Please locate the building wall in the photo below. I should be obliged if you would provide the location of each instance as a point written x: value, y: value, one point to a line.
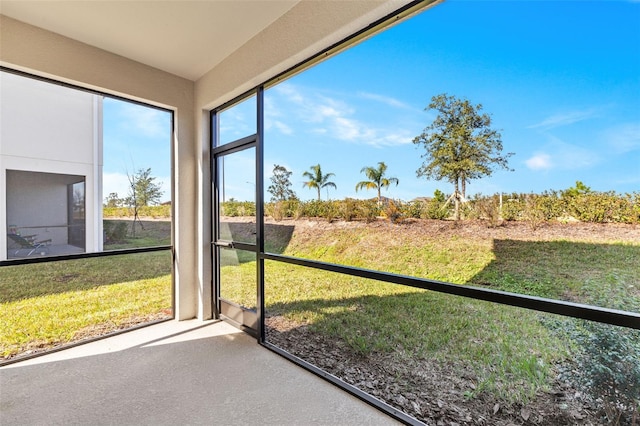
x: 45, y: 121
x: 306, y: 29
x: 47, y: 128
x: 31, y: 49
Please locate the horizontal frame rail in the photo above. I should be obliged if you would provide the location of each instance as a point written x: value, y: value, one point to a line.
x: 560, y: 307
x: 43, y: 259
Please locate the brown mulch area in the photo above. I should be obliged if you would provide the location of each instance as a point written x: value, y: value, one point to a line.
x: 435, y: 392
x: 431, y: 392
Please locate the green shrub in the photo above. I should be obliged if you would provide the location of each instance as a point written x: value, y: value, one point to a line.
x: 369, y: 210
x: 413, y: 209
x: 331, y: 210
x: 117, y: 212
x: 487, y: 208
x: 512, y: 208
x: 314, y: 208
x: 466, y: 210
x: 550, y: 205
x: 161, y: 211
x: 532, y: 214
x: 393, y: 213
x: 600, y: 207
x: 233, y: 208
x: 114, y: 231
x: 607, y: 367
x: 277, y: 210
x: 532, y: 208
x: 347, y: 209
x: 436, y: 209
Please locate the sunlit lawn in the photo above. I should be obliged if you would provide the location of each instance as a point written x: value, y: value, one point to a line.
x: 511, y: 350
x: 49, y: 304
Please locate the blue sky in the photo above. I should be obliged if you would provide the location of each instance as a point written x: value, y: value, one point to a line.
x: 561, y: 81
x: 135, y: 137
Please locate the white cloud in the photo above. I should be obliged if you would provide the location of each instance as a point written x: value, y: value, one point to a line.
x: 623, y: 138
x: 564, y: 119
x: 337, y: 119
x: 561, y: 155
x: 571, y: 157
x: 539, y: 161
x: 147, y: 121
x: 279, y: 125
x: 387, y: 100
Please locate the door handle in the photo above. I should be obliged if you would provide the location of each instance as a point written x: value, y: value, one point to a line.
x: 226, y: 244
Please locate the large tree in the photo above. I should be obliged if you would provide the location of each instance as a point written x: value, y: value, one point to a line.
x: 280, y: 187
x: 460, y: 145
x: 318, y: 180
x: 377, y: 180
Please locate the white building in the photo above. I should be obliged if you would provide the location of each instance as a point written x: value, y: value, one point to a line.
x: 50, y: 167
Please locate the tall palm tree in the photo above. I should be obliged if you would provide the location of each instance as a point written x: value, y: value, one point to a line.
x: 317, y: 179
x: 376, y: 179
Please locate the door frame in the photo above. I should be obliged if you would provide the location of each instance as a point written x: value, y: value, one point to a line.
x: 255, y: 140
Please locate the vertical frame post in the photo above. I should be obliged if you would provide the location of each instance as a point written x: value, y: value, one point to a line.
x: 260, y: 211
x: 215, y: 210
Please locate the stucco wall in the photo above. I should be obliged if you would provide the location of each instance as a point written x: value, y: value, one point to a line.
x: 305, y: 29
x: 27, y: 48
x: 45, y: 121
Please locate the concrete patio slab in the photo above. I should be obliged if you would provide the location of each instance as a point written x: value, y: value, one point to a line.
x: 177, y: 372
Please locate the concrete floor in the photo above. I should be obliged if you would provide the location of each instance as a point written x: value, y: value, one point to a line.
x: 174, y: 373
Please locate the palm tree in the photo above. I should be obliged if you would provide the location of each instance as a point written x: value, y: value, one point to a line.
x: 376, y: 179
x: 317, y: 179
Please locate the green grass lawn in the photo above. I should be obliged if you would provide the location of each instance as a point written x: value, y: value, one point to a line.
x: 49, y: 304
x: 511, y: 351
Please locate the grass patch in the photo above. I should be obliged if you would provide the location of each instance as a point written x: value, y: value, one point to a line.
x: 54, y: 303
x: 512, y: 352
x: 151, y: 233
x: 509, y: 350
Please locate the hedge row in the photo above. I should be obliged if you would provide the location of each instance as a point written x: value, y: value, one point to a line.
x: 163, y: 211
x: 597, y: 207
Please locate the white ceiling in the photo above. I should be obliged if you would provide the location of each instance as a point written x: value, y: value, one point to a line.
x: 183, y: 37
